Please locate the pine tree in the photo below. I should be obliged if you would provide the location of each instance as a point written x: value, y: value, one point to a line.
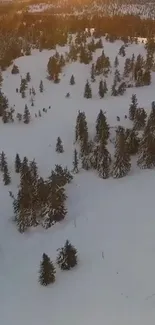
x: 67, y: 257
x: 75, y: 162
x: 41, y: 87
x: 139, y: 118
x: 116, y: 62
x: 59, y: 146
x: 93, y: 73
x: 28, y: 77
x: 87, y: 91
x: 26, y: 115
x: 122, y: 51
x: 105, y: 87
x: 101, y: 89
x: 132, y: 141
x: 133, y: 107
x: 121, y: 165
x: 102, y: 126
x: 146, y: 153
x: 72, y: 80
x: 15, y: 69
x: 114, y: 90
x: 17, y: 163
x: 6, y: 175
x: 117, y: 77
x: 2, y: 161
x: 47, y: 271
x: 104, y: 160
x: 1, y: 79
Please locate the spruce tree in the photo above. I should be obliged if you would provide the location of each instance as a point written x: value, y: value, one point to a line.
x: 2, y: 161
x: 41, y: 87
x: 75, y: 162
x: 6, y: 175
x: 114, y: 90
x: 116, y: 62
x: 104, y: 160
x: 15, y: 69
x: 93, y: 73
x: 1, y: 78
x: 26, y: 115
x: 132, y: 141
x: 67, y: 257
x: 28, y: 77
x: 47, y: 271
x: 139, y: 119
x: 87, y: 91
x: 146, y: 153
x: 105, y: 87
x: 121, y: 165
x: 59, y: 146
x: 101, y: 126
x: 133, y: 107
x: 101, y: 89
x: 72, y: 80
x: 17, y: 163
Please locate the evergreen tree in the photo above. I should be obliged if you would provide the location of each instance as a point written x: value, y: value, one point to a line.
x: 122, y: 51
x: 104, y: 160
x: 47, y: 271
x: 81, y: 129
x: 101, y: 89
x: 2, y: 161
x: 41, y: 87
x: 15, y: 69
x: 67, y: 257
x: 121, y: 89
x: 28, y: 77
x: 121, y: 165
x: 117, y: 77
x: 146, y: 154
x: 59, y: 146
x: 132, y: 141
x: 93, y: 73
x: 116, y: 62
x: 75, y: 162
x: 17, y: 163
x: 3, y: 103
x: 1, y: 78
x: 105, y: 87
x: 133, y: 107
x: 26, y: 115
x: 102, y: 127
x: 72, y: 80
x: 6, y: 175
x: 87, y: 91
x: 139, y: 119
x: 114, y: 90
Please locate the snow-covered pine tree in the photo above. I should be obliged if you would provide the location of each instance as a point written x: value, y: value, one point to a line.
x: 59, y: 146
x: 133, y: 107
x: 26, y: 115
x: 101, y: 89
x: 2, y: 161
x: 67, y: 257
x: 146, y: 153
x: 139, y: 118
x: 75, y: 162
x: 47, y: 271
x: 122, y: 164
x: 101, y: 126
x: 41, y: 86
x: 87, y: 91
x: 6, y: 175
x: 72, y: 80
x: 17, y: 163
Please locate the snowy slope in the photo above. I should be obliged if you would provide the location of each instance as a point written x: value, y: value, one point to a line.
x: 110, y: 218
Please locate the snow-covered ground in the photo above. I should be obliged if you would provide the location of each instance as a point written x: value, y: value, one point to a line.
x: 111, y: 222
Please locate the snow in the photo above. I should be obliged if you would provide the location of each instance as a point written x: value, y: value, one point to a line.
x: 111, y: 222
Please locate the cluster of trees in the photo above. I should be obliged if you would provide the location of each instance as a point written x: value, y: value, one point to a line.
x: 66, y: 260
x: 39, y: 201
x: 95, y: 155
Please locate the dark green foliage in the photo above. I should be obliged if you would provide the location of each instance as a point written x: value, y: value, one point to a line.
x: 15, y: 69
x: 121, y: 165
x: 1, y: 79
x: 41, y: 87
x: 104, y: 160
x: 132, y: 141
x: 28, y: 77
x: 105, y: 87
x: 2, y: 161
x: 133, y: 107
x: 23, y: 85
x: 67, y: 257
x: 59, y: 146
x: 93, y: 73
x: 26, y: 115
x: 114, y: 90
x: 146, y: 154
x: 116, y: 62
x: 3, y: 103
x: 117, y: 77
x: 6, y: 175
x: 47, y: 271
x: 122, y: 51
x: 75, y: 162
x: 87, y: 91
x: 139, y: 119
x: 121, y: 89
x: 102, y: 127
x: 101, y: 89
x: 72, y: 80
x: 17, y: 163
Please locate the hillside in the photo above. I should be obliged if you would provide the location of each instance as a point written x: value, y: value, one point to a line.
x: 110, y: 221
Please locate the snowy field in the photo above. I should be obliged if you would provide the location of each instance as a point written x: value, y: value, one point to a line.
x: 111, y: 222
